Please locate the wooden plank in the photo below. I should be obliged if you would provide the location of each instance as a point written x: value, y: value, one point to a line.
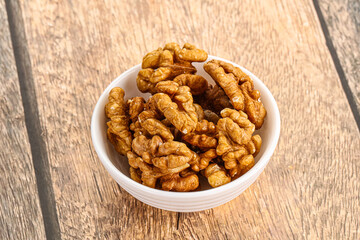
x: 343, y: 23
x: 309, y: 189
x: 20, y: 213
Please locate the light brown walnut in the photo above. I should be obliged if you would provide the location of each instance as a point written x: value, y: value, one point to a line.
x: 240, y: 118
x: 168, y: 87
x: 204, y: 126
x: 216, y: 175
x: 118, y: 134
x: 138, y: 129
x: 148, y: 78
x: 166, y: 64
x: 164, y: 155
x: 202, y: 160
x: 184, y: 118
x: 151, y: 59
x: 116, y: 105
x: 225, y: 75
x: 185, y: 101
x: 180, y: 182
x: 239, y: 87
x: 136, y: 106
x: 236, y: 144
x: 253, y: 106
x: 200, y: 140
x: 149, y: 174
x: 118, y: 127
x: 191, y: 53
x: 172, y: 154
x: 203, y: 136
x: 257, y: 141
x: 146, y: 148
x: 148, y: 121
x: 180, y: 95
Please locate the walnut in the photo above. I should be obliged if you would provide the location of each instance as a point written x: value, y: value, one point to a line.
x: 245, y: 164
x: 167, y: 63
x: 136, y: 106
x: 202, y: 160
x: 235, y: 143
x: 204, y: 126
x: 184, y: 118
x: 230, y: 135
x: 239, y: 88
x: 200, y: 140
x: 192, y: 54
x: 196, y: 83
x: 151, y: 59
x: 182, y: 97
x: 216, y: 175
x: 118, y: 127
x: 116, y: 105
x: 168, y: 87
x: 148, y: 121
x: 240, y: 118
x: 179, y: 94
x: 237, y: 161
x: 138, y: 129
x: 173, y: 48
x: 118, y: 134
x: 146, y: 148
x: 203, y: 136
x: 181, y: 68
x: 189, y: 53
x: 164, y: 155
x: 255, y: 148
x: 253, y: 106
x: 224, y: 74
x: 149, y: 174
x: 185, y: 101
x: 180, y: 182
x: 148, y: 78
x: 172, y: 154
x: 157, y: 58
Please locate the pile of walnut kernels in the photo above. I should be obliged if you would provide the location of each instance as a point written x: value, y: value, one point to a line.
x: 187, y: 127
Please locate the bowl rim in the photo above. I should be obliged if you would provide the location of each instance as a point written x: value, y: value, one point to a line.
x: 262, y: 162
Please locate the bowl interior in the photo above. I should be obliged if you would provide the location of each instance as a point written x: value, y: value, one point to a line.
x: 127, y: 81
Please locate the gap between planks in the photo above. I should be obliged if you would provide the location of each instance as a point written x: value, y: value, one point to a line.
x: 338, y: 67
x: 32, y: 122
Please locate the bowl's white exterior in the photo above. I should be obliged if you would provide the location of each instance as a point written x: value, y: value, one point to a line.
x: 177, y: 201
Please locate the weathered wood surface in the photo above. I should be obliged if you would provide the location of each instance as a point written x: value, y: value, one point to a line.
x: 20, y: 213
x: 309, y: 189
x: 342, y: 18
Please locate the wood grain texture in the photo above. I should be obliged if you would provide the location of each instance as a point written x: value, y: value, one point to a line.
x: 20, y: 213
x: 310, y: 188
x: 343, y: 21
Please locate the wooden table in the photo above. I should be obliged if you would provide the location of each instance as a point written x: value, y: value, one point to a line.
x: 56, y: 58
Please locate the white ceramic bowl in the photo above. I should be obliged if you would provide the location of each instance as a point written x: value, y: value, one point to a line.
x: 118, y: 166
